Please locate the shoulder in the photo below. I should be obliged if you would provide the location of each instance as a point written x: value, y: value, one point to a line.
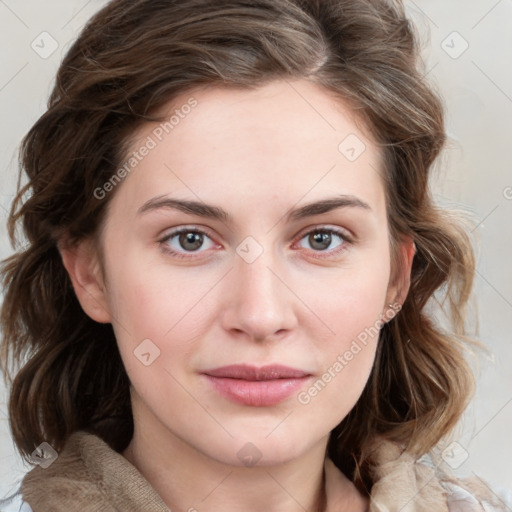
x: 468, y: 495
x: 68, y: 476
x: 88, y: 475
x: 403, y: 482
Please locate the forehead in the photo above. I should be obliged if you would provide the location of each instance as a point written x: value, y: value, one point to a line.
x: 288, y: 139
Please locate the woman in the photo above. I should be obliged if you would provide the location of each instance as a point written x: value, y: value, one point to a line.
x: 285, y: 360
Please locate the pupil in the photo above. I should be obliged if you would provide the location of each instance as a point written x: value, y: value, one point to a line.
x: 195, y: 239
x: 322, y: 238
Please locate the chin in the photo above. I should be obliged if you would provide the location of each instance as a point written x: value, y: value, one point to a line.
x: 259, y: 450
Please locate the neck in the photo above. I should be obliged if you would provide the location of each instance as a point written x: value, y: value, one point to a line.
x: 189, y: 480
x: 201, y: 483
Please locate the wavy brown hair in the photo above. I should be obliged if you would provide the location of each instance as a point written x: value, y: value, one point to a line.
x: 133, y: 57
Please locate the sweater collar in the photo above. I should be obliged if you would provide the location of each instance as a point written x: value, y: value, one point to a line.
x: 89, y: 475
x: 89, y: 471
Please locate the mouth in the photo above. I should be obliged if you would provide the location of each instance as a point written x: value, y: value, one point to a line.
x: 257, y: 387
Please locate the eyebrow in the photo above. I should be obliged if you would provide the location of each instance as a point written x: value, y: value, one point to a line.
x: 217, y: 213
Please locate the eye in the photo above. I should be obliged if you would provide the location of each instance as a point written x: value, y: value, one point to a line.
x: 185, y: 240
x: 320, y: 239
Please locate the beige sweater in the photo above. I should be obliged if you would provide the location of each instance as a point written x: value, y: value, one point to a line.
x: 88, y: 476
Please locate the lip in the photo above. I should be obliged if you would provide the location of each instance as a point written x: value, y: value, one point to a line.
x: 258, y: 387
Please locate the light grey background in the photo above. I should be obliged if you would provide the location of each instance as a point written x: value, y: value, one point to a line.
x: 475, y: 175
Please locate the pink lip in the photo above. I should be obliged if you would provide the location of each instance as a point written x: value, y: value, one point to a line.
x: 254, y: 386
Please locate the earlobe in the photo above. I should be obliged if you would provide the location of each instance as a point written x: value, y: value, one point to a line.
x: 82, y: 265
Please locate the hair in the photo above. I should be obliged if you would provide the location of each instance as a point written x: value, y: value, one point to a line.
x: 133, y: 57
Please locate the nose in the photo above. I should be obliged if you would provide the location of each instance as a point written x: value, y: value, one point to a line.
x: 258, y: 303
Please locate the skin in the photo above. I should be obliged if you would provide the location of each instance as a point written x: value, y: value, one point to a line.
x: 257, y: 154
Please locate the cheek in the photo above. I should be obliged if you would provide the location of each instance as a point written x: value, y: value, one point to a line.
x: 150, y: 301
x: 347, y: 358
x: 351, y: 314
x: 349, y: 301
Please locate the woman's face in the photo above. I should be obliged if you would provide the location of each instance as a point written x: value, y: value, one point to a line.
x: 259, y: 275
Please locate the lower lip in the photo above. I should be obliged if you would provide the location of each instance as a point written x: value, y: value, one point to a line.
x: 258, y: 393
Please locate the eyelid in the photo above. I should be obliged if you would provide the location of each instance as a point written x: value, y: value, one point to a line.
x: 345, y: 234
x: 186, y: 227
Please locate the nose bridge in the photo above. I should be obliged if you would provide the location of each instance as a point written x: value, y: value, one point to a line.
x: 260, y: 304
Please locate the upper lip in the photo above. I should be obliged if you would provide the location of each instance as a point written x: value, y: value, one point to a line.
x: 248, y: 372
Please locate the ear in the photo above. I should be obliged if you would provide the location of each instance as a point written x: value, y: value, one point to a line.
x: 401, y: 277
x: 82, y: 264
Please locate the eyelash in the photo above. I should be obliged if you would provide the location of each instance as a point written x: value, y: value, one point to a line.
x: 347, y: 240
